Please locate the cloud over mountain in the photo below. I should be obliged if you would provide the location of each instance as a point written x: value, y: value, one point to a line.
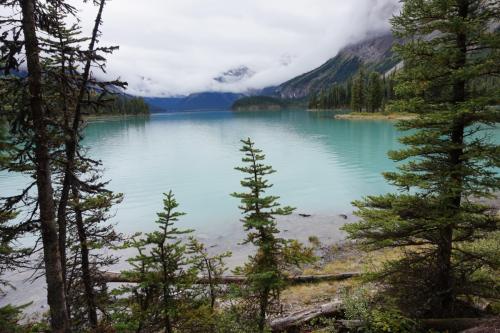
x: 172, y: 47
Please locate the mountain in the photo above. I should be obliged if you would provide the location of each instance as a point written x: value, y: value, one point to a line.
x: 235, y: 74
x: 205, y: 101
x: 373, y: 53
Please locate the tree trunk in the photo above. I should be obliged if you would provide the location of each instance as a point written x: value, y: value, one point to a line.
x: 210, y: 284
x: 53, y: 271
x: 72, y: 141
x: 264, y: 301
x: 303, y: 316
x: 165, y: 285
x: 445, y: 278
x: 86, y: 271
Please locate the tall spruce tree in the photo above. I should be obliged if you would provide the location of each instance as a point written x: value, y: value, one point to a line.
x: 45, y: 118
x: 38, y: 115
x: 83, y: 202
x: 358, y: 92
x: 267, y: 268
x: 374, y: 92
x: 450, y: 161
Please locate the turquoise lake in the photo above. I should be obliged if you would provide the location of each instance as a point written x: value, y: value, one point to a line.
x: 322, y: 163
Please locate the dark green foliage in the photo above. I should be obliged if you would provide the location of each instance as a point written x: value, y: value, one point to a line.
x: 12, y: 320
x: 11, y: 256
x: 361, y: 304
x: 121, y: 105
x: 164, y: 267
x: 339, y: 96
x: 368, y: 92
x: 89, y: 236
x: 211, y: 267
x: 450, y: 161
x: 374, y: 93
x: 72, y: 203
x: 10, y: 317
x: 390, y: 320
x: 259, y: 103
x: 83, y: 201
x: 358, y: 93
x: 265, y: 270
x: 4, y: 144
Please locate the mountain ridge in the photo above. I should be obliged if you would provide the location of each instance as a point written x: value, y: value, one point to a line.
x: 373, y: 53
x: 203, y: 101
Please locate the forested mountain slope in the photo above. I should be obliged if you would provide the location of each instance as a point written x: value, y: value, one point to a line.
x: 374, y: 54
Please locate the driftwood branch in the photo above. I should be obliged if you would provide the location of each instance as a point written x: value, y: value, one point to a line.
x: 335, y: 308
x: 109, y: 277
x: 301, y: 317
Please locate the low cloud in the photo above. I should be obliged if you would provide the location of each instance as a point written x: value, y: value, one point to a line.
x: 174, y: 47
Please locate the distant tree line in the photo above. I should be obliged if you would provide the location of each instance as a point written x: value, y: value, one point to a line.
x: 366, y: 91
x: 120, y: 104
x: 259, y: 103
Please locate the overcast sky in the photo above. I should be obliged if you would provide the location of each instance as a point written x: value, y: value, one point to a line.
x: 173, y: 47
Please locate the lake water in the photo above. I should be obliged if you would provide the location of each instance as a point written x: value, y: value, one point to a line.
x: 322, y: 163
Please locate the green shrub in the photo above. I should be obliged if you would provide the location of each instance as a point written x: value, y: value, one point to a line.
x: 357, y: 304
x: 390, y: 321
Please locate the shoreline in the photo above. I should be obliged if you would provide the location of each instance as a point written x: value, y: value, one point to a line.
x: 326, y: 227
x: 376, y: 116
x: 347, y: 114
x: 99, y: 117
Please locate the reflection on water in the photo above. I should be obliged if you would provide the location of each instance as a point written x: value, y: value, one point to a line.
x: 323, y: 164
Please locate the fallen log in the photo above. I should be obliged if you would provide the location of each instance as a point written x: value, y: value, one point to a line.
x: 301, y: 317
x: 110, y: 277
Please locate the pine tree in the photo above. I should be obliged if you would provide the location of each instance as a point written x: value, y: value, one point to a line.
x: 450, y: 160
x: 10, y: 256
x: 82, y: 198
x: 212, y: 267
x: 45, y: 132
x: 374, y: 92
x: 52, y: 255
x: 163, y: 265
x: 267, y: 268
x: 312, y: 101
x: 358, y: 92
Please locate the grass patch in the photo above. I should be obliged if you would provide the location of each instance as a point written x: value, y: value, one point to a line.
x: 339, y: 259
